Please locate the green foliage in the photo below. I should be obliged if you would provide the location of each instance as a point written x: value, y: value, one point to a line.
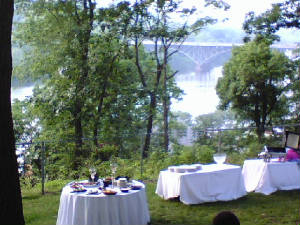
x: 211, y: 130
x: 25, y: 128
x: 215, y: 120
x: 186, y: 156
x: 204, y: 154
x: 88, y: 84
x: 127, y: 167
x: 253, y: 150
x: 104, y: 152
x: 29, y: 181
x: 237, y: 158
x: 255, y: 84
x: 282, y: 15
x: 153, y: 21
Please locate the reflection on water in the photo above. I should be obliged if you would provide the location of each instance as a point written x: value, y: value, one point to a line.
x: 200, y: 94
x: 21, y: 93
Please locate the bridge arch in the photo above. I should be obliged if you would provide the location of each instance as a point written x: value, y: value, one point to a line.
x: 201, y: 53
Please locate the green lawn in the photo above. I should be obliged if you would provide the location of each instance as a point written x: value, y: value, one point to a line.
x: 281, y: 207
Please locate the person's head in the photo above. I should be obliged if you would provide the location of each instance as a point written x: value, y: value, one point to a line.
x: 226, y: 218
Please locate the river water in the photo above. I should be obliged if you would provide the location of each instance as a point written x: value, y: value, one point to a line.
x: 199, y: 94
x: 21, y: 93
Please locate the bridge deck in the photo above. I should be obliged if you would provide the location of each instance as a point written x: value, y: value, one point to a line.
x: 221, y: 44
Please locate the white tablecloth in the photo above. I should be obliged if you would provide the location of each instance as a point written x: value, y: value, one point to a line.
x: 267, y: 178
x: 121, y: 209
x: 211, y: 183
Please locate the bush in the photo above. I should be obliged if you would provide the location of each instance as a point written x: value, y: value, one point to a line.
x: 203, y: 153
x: 29, y: 182
x: 235, y: 158
x: 253, y: 150
x: 149, y: 168
x: 104, y: 152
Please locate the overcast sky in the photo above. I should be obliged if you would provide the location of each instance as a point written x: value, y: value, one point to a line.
x: 236, y: 14
x: 238, y: 10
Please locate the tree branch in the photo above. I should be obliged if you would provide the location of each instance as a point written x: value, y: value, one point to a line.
x: 78, y: 20
x: 172, y: 75
x: 137, y: 62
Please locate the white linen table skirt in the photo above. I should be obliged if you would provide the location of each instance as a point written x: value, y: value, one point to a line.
x: 212, y: 183
x: 121, y: 209
x: 268, y: 177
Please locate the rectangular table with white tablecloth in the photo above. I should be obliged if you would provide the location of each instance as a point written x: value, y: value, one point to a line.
x: 268, y: 177
x: 214, y: 182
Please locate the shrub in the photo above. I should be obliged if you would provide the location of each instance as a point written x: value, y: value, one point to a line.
x: 203, y: 153
x: 253, y: 150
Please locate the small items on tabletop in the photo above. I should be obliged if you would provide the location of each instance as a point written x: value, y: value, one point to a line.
x: 76, y: 187
x: 109, y: 192
x: 125, y: 190
x: 93, y: 177
x: 107, y: 181
x: 93, y: 191
x: 107, y: 186
x: 185, y: 168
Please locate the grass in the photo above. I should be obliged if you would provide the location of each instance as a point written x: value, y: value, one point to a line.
x: 42, y: 209
x: 282, y: 207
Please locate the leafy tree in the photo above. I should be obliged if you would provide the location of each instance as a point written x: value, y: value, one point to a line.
x: 294, y: 103
x: 63, y: 52
x: 282, y: 15
x: 88, y: 77
x: 11, y: 210
x: 86, y: 70
x: 179, y: 123
x: 255, y: 84
x: 152, y: 21
x: 208, y: 128
x: 118, y: 102
x: 25, y: 128
x: 110, y: 100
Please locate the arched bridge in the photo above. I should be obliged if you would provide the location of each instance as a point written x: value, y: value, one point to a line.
x: 201, y: 53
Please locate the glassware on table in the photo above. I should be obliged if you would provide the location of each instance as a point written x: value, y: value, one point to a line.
x: 113, y: 167
x: 93, y: 173
x: 219, y: 158
x: 106, y: 182
x: 101, y: 184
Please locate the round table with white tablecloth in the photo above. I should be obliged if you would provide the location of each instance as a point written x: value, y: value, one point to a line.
x: 83, y: 208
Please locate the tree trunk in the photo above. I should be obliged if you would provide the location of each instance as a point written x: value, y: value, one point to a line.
x: 166, y: 123
x: 78, y: 134
x: 83, y: 39
x: 11, y: 209
x: 260, y: 131
x: 101, y: 100
x: 152, y: 108
x: 166, y: 103
x: 99, y: 112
